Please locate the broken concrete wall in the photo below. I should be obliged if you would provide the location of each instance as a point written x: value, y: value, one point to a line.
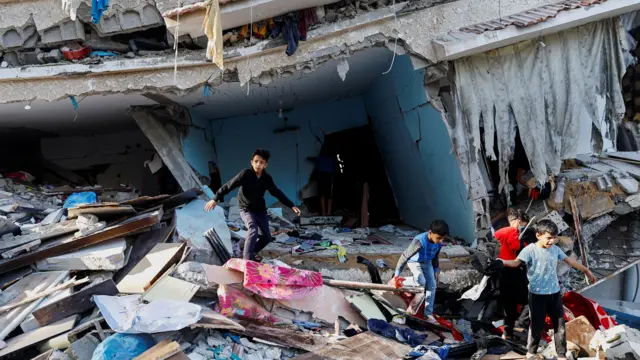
x: 416, y: 30
x: 257, y: 131
x: 417, y: 151
x: 126, y: 153
x: 122, y: 16
x: 52, y: 22
x: 24, y: 24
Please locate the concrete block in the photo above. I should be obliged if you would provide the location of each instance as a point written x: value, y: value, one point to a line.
x: 109, y: 256
x: 19, y: 37
x: 83, y: 349
x: 124, y: 16
x: 68, y: 30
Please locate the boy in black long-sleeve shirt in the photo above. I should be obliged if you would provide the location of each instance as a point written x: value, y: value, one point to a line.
x: 253, y: 183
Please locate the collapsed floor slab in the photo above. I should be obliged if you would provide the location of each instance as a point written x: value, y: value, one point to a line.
x: 415, y: 28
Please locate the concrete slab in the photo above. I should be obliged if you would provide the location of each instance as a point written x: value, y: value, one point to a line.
x: 109, y: 256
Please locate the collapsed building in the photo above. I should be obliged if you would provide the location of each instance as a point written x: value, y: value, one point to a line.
x: 165, y: 97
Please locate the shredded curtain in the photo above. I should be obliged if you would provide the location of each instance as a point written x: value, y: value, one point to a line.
x: 548, y: 88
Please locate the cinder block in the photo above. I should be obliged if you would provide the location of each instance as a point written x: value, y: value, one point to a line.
x: 19, y: 37
x: 68, y: 30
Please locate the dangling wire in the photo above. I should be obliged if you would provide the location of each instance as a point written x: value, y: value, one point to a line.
x: 395, y: 45
x: 250, y: 38
x: 175, y: 46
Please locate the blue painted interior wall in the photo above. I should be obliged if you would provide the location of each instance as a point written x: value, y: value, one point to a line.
x: 417, y: 151
x: 197, y: 145
x: 236, y: 138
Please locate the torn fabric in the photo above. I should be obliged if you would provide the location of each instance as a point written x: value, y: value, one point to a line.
x: 213, y: 29
x: 276, y: 282
x: 549, y: 88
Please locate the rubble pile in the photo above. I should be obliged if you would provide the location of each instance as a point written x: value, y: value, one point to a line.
x: 88, y: 272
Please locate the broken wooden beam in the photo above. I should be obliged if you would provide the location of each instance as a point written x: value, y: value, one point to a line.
x: 371, y: 286
x: 101, y: 210
x: 76, y: 303
x: 151, y: 268
x: 45, y: 293
x: 33, y: 337
x: 282, y: 336
x: 62, y: 246
x: 578, y: 230
x: 161, y: 351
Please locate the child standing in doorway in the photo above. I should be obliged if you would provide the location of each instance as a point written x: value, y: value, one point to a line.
x: 545, y: 297
x: 253, y: 183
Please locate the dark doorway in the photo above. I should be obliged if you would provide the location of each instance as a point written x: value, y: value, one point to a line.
x: 358, y: 162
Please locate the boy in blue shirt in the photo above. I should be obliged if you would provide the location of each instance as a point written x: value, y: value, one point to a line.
x: 422, y: 256
x: 545, y: 298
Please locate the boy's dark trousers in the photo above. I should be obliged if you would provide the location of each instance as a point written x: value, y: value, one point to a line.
x: 255, y: 222
x: 513, y: 292
x: 541, y: 306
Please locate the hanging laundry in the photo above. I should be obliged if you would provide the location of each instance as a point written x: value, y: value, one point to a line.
x: 98, y: 7
x: 261, y: 29
x: 308, y: 18
x: 213, y: 29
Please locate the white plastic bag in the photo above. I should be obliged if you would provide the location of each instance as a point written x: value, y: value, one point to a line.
x: 127, y: 315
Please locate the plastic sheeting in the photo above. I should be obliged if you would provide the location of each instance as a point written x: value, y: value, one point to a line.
x: 550, y: 88
x: 128, y: 315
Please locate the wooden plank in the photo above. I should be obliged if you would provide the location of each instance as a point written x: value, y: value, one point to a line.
x: 44, y: 356
x: 21, y: 290
x: 150, y: 268
x: 10, y: 254
x: 25, y: 340
x: 11, y: 277
x: 162, y: 351
x: 170, y: 288
x: 141, y: 246
x: 286, y: 337
x: 76, y: 303
x: 68, y: 244
x: 364, y: 346
x: 42, y: 294
x: 101, y: 210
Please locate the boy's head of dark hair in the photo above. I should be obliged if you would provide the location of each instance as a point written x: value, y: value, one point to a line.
x: 546, y: 233
x: 438, y: 231
x: 546, y: 226
x: 517, y: 214
x: 264, y: 154
x: 439, y: 227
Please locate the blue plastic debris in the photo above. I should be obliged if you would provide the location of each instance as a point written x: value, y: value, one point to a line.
x: 98, y: 7
x: 73, y: 101
x: 102, y: 53
x: 441, y: 351
x: 80, y: 198
x: 123, y: 347
x: 235, y: 338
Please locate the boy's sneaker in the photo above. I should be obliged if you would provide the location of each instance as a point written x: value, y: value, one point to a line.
x: 432, y: 320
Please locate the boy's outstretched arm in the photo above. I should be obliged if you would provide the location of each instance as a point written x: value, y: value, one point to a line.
x: 224, y: 190
x: 511, y: 263
x: 576, y: 265
x: 278, y: 194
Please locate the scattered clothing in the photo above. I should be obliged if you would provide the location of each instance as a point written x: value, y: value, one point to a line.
x: 293, y: 27
x: 541, y: 306
x: 98, y: 7
x: 234, y: 302
x: 371, y: 268
x: 252, y: 189
x: 308, y: 18
x: 276, y: 282
x: 577, y: 305
x: 541, y: 268
x: 420, y: 350
x: 390, y: 331
x: 213, y: 31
